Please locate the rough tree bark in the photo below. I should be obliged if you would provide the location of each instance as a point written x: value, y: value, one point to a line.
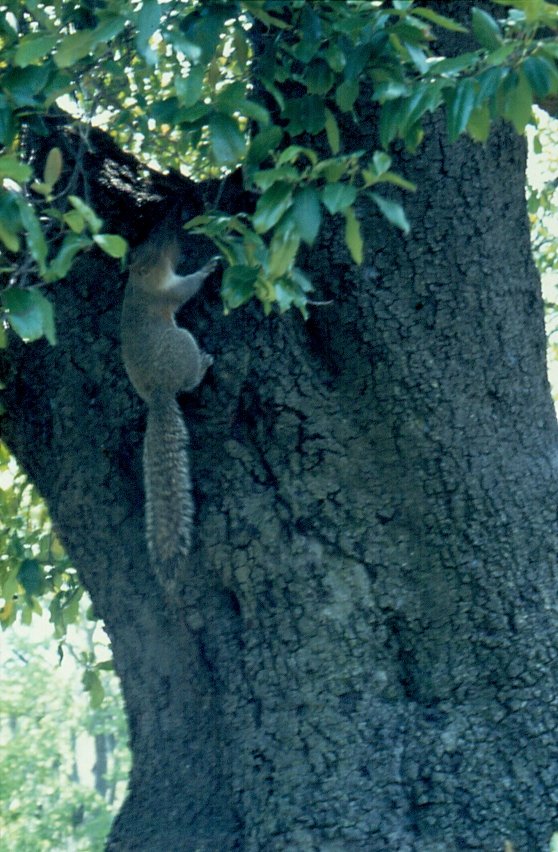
x: 364, y: 653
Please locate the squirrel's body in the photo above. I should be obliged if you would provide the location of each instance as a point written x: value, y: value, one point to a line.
x: 163, y: 360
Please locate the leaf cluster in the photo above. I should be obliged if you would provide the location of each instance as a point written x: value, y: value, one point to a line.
x: 270, y: 86
x: 33, y: 564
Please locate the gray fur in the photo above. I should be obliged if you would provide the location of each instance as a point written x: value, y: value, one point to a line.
x: 162, y: 360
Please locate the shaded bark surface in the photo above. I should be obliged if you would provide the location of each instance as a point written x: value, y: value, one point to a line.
x: 363, y: 656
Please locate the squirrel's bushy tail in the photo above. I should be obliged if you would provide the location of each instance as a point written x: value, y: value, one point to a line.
x: 169, y: 507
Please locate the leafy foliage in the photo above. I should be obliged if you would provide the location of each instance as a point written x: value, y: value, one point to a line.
x: 194, y: 86
x: 33, y: 564
x: 44, y: 711
x: 49, y: 797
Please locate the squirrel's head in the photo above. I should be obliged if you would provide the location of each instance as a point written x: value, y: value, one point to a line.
x: 153, y: 261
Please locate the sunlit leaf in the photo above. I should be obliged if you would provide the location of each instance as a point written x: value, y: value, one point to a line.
x: 12, y: 167
x: 353, y: 237
x: 30, y: 315
x: 53, y: 166
x: 271, y: 206
x: 338, y: 196
x: 393, y: 211
x: 111, y: 244
x: 149, y: 18
x: 332, y: 132
x: 478, y: 126
x: 32, y: 47
x: 88, y: 215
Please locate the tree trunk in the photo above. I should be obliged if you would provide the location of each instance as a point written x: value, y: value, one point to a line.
x: 363, y: 655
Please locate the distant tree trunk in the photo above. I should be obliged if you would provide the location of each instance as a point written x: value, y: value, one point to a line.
x: 364, y: 653
x: 101, y: 764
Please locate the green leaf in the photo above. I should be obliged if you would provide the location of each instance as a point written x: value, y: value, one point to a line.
x: 332, y: 132
x: 318, y: 77
x: 29, y: 314
x: 353, y: 236
x: 518, y: 104
x: 267, y: 177
x: 254, y: 7
x: 461, y: 104
x: 541, y: 75
x: 440, y: 20
x: 165, y: 110
x: 72, y: 244
x: 92, y: 684
x: 12, y: 167
x: 189, y: 89
x: 9, y: 237
x: 35, y: 238
x: 24, y: 84
x: 338, y: 196
x: 264, y: 144
x: 486, y: 30
x: 31, y: 577
x: 418, y: 58
x: 381, y: 162
x: 307, y: 213
x: 346, y: 95
x: 498, y: 57
x: 294, y: 152
x: 228, y: 143
x: 149, y: 19
x: 74, y: 47
x: 489, y: 82
x: 238, y: 285
x: 74, y: 221
x: 453, y: 66
x: 53, y: 166
x: 396, y: 180
x: 7, y: 122
x: 109, y: 28
x: 282, y: 253
x: 89, y: 216
x: 271, y: 206
x: 393, y: 211
x: 390, y: 90
x: 306, y: 115
x: 32, y: 47
x: 111, y: 244
x: 478, y: 127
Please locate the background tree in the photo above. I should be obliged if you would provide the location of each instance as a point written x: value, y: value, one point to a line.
x: 362, y: 655
x: 48, y: 729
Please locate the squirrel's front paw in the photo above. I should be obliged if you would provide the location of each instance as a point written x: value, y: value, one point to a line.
x: 211, y: 265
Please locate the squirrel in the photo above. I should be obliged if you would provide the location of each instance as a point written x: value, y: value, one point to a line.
x: 162, y: 360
